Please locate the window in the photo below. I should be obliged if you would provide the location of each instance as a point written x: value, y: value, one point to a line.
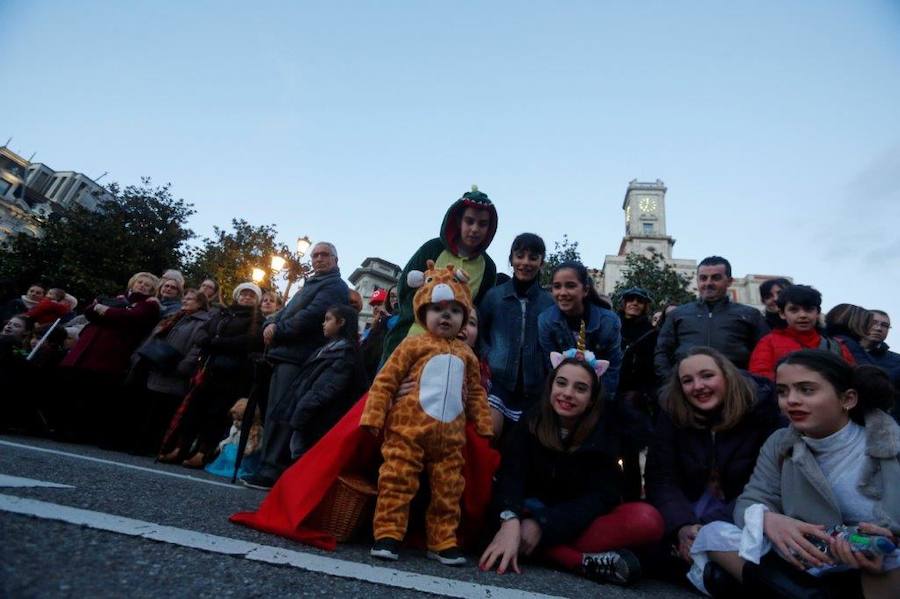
x: 648, y: 228
x: 4, y: 186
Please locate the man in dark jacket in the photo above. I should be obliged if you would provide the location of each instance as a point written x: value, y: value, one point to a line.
x: 713, y: 320
x: 881, y: 355
x: 291, y: 336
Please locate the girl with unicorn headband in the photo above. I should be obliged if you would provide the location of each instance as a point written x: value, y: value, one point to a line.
x: 558, y: 494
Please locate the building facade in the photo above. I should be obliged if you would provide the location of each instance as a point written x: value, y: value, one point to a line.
x: 372, y: 274
x: 644, y: 208
x: 31, y: 193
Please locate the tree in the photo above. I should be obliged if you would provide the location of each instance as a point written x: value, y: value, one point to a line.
x: 563, y: 251
x: 229, y: 257
x: 95, y: 252
x: 653, y: 273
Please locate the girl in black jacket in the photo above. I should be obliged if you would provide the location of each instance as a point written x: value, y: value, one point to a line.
x: 331, y: 381
x: 558, y: 490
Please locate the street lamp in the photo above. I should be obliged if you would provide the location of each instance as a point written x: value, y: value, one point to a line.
x: 303, y: 244
x: 278, y: 263
x: 259, y: 275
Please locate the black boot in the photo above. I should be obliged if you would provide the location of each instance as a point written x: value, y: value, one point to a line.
x: 775, y: 578
x: 720, y: 584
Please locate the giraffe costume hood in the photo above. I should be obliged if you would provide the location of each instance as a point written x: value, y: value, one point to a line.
x: 425, y: 429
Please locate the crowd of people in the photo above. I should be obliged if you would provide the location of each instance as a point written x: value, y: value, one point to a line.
x: 708, y: 442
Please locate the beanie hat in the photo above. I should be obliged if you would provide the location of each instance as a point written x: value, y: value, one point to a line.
x: 251, y: 286
x: 378, y: 297
x: 638, y: 292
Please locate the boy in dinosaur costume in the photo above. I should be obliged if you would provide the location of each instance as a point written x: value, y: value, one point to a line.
x: 425, y: 429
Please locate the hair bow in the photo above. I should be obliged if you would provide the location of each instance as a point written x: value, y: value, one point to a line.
x: 598, y: 366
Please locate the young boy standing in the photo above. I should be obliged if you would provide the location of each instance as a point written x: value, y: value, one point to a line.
x: 466, y: 232
x: 425, y: 429
x: 800, y: 307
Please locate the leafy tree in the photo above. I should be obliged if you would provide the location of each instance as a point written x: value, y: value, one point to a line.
x: 94, y: 252
x: 653, y: 273
x: 229, y: 257
x: 563, y: 251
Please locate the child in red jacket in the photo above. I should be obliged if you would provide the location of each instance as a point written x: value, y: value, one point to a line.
x: 56, y: 304
x: 800, y: 306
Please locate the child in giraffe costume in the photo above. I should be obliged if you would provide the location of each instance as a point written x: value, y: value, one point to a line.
x: 425, y: 429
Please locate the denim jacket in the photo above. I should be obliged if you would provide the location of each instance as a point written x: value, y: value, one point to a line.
x: 503, y: 333
x: 603, y: 337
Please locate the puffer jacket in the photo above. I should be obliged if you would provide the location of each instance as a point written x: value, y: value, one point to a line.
x: 185, y: 336
x: 298, y: 327
x: 782, y: 342
x: 731, y: 328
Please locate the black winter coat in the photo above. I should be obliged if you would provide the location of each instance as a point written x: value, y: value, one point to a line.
x: 234, y: 333
x: 638, y: 345
x: 733, y: 329
x: 331, y: 381
x: 575, y: 487
x: 681, y: 461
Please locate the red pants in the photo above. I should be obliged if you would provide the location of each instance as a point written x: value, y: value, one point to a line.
x: 629, y: 525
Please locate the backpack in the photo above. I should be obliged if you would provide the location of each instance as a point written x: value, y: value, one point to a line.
x: 832, y: 345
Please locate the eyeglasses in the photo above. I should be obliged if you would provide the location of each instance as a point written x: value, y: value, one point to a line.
x: 881, y: 325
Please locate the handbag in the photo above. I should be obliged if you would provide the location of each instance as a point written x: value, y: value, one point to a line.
x: 161, y: 354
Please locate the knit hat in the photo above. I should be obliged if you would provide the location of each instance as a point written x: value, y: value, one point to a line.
x: 252, y: 287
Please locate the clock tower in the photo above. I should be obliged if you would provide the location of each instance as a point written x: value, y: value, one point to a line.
x: 645, y: 219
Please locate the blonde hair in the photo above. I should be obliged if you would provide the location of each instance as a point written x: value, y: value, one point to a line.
x: 179, y: 283
x: 254, y: 440
x: 739, y: 396
x: 154, y: 281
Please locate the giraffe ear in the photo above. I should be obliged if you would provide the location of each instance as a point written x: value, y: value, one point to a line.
x: 429, y: 264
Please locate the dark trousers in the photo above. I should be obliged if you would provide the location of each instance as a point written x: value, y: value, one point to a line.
x: 276, y: 445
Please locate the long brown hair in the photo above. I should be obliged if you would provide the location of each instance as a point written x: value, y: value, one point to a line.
x: 738, y: 400
x: 545, y: 423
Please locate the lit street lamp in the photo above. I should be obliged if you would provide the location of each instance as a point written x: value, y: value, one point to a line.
x: 259, y: 275
x: 278, y: 263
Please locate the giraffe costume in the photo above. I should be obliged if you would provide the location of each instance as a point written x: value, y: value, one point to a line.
x: 426, y: 427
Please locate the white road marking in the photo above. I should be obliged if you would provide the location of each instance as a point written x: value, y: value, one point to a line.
x: 17, y: 482
x: 121, y: 464
x: 258, y: 552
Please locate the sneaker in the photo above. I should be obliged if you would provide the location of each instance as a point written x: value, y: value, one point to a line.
x: 386, y: 549
x: 256, y: 481
x: 449, y: 557
x: 618, y: 567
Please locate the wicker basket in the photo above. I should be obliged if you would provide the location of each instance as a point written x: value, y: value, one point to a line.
x: 343, y: 508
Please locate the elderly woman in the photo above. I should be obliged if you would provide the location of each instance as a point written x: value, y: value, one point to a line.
x: 171, y: 357
x: 99, y: 360
x: 233, y: 334
x: 169, y: 296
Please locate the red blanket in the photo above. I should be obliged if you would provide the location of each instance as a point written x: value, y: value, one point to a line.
x: 346, y: 449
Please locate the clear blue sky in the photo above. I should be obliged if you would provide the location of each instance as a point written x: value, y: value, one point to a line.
x: 775, y: 125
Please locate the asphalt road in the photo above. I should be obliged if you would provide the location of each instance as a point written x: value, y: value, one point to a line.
x: 121, y: 525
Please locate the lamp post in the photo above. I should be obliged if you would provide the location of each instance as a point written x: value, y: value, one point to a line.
x: 296, y: 269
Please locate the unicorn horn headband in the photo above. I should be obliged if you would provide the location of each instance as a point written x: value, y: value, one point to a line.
x: 598, y: 366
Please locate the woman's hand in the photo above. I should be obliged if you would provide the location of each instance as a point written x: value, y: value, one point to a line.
x: 686, y: 536
x: 504, y: 547
x: 841, y: 550
x: 789, y: 536
x: 530, y: 532
x: 100, y: 309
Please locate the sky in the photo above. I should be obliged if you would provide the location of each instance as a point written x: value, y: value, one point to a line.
x: 774, y: 125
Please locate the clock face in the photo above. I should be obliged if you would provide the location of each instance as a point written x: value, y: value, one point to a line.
x: 648, y: 204
x: 627, y: 214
